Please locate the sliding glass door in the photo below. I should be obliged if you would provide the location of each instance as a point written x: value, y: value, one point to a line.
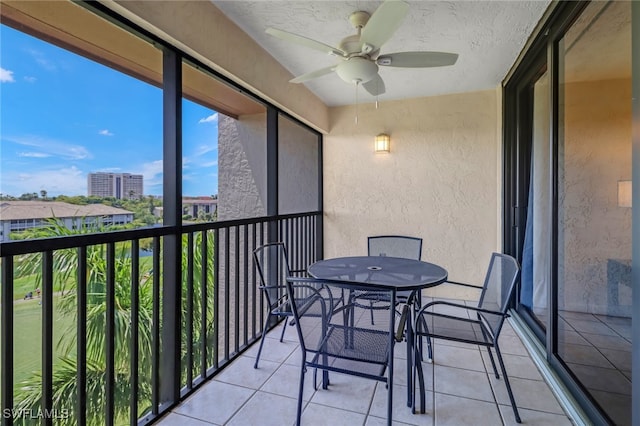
x: 568, y: 198
x: 593, y: 216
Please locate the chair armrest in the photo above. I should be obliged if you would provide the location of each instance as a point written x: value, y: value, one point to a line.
x: 464, y: 284
x: 488, y: 311
x: 305, y: 282
x: 300, y: 280
x: 270, y: 287
x: 314, y: 297
x: 458, y: 305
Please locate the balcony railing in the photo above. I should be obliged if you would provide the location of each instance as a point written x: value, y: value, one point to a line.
x: 130, y: 351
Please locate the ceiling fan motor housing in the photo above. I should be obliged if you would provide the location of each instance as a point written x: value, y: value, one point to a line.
x: 357, y: 70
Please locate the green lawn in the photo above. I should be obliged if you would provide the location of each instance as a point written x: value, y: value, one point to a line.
x: 27, y: 352
x: 27, y: 328
x: 25, y: 284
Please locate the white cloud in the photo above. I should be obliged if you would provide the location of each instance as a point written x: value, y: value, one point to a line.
x: 54, y: 148
x: 29, y: 79
x: 41, y: 60
x: 34, y: 154
x: 55, y: 181
x: 105, y: 132
x: 152, y: 173
x: 213, y: 118
x: 203, y: 149
x: 6, y: 76
x: 210, y: 164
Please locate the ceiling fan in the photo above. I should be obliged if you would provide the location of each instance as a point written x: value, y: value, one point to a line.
x: 360, y: 53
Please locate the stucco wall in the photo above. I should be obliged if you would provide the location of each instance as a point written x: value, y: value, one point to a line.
x: 596, y: 155
x: 242, y: 167
x: 439, y: 182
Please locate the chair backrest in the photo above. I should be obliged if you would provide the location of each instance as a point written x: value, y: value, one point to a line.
x: 316, y: 307
x: 498, y: 287
x: 312, y: 308
x: 273, y: 270
x: 395, y: 246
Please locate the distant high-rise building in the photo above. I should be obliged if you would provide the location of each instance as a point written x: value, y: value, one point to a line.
x: 118, y: 185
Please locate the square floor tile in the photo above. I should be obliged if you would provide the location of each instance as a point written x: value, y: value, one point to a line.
x: 401, y: 412
x: 532, y: 417
x: 530, y: 394
x: 242, y: 373
x: 346, y: 392
x: 286, y: 382
x: 321, y: 415
x: 516, y: 365
x: 205, y: 403
x: 266, y: 409
x: 453, y: 410
x: 467, y: 357
x: 272, y: 350
x: 464, y: 383
x: 173, y: 419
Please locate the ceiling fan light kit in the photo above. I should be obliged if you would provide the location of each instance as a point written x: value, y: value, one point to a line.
x: 359, y: 53
x: 357, y: 70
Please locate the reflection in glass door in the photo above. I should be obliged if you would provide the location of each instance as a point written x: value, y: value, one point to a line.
x: 594, y: 221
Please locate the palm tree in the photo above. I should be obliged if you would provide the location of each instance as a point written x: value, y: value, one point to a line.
x: 197, y: 309
x: 65, y: 386
x: 64, y: 381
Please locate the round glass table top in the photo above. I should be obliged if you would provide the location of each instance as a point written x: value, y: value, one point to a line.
x: 381, y: 271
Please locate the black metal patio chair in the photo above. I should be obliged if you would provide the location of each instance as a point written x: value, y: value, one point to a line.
x: 392, y: 246
x: 479, y: 325
x: 273, y: 270
x: 336, y: 337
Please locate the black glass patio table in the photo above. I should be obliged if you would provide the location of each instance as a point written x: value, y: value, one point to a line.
x: 382, y: 272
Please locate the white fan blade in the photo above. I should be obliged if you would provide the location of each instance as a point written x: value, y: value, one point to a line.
x: 313, y: 74
x: 417, y: 59
x: 383, y: 24
x: 374, y: 86
x: 304, y: 41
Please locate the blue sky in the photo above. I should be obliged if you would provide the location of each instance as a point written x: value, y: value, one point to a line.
x: 63, y: 116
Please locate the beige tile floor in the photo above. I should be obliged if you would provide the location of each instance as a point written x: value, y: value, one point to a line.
x: 460, y: 391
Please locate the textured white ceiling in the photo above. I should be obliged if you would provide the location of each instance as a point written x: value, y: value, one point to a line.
x: 488, y: 36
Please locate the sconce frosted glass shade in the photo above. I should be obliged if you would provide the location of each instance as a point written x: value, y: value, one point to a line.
x: 624, y: 193
x: 382, y: 143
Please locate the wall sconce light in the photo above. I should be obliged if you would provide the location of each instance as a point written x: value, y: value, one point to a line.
x: 382, y: 143
x: 624, y: 193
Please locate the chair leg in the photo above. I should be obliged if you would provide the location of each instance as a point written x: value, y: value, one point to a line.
x: 429, y: 345
x: 493, y: 363
x: 264, y: 334
x: 417, y: 304
x: 284, y: 327
x: 506, y: 382
x: 303, y: 370
x: 417, y: 374
x: 371, y: 311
